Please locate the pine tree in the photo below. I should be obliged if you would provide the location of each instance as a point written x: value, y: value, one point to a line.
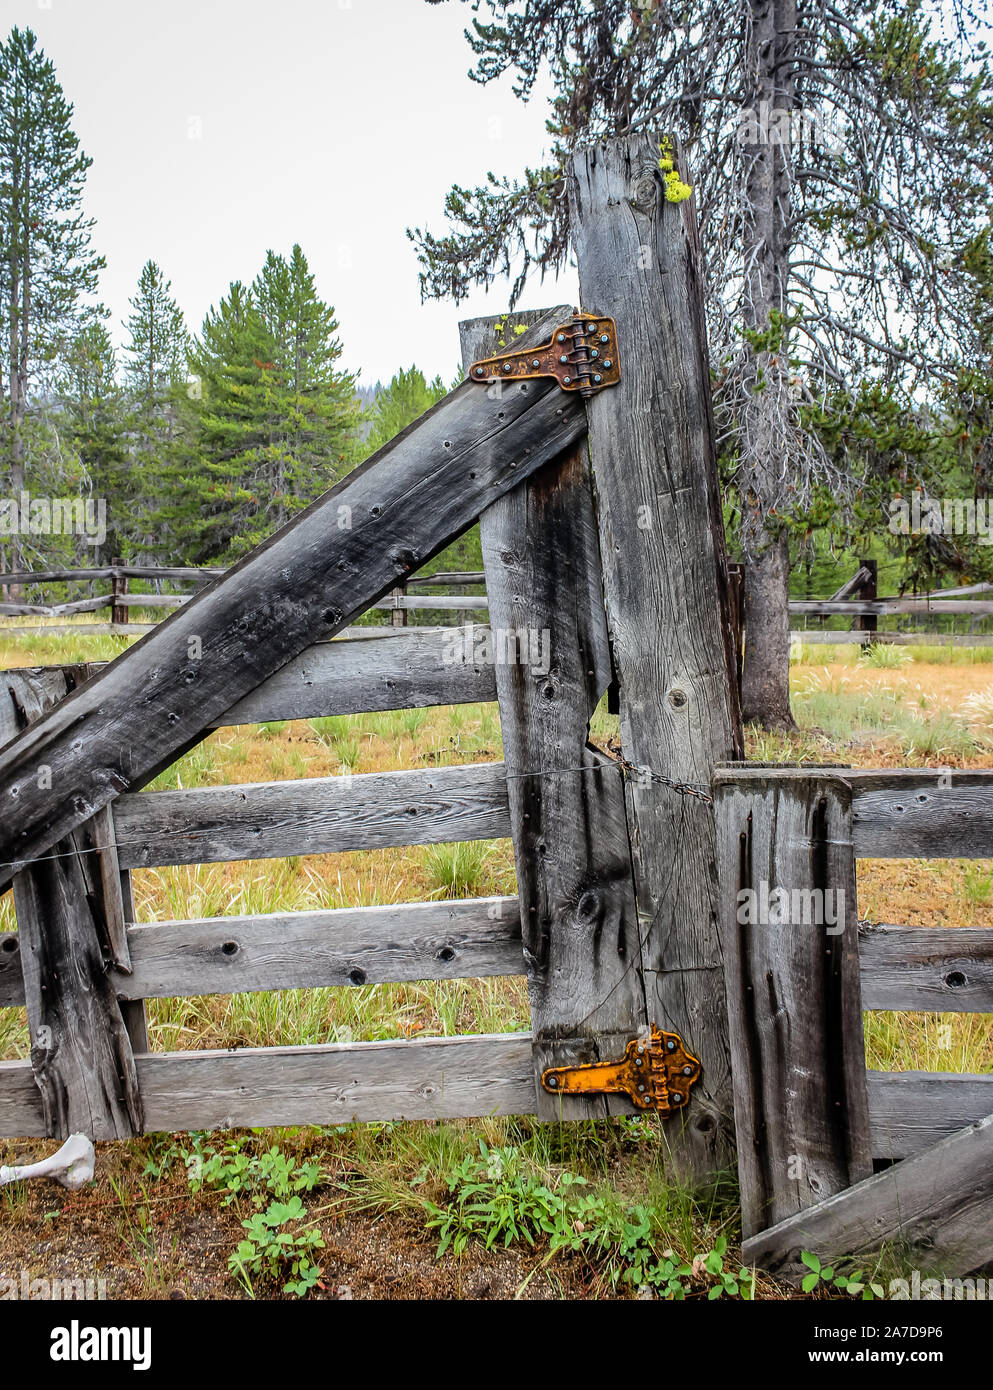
x: 160, y: 416
x: 215, y: 505
x: 93, y: 420
x: 155, y: 355
x: 399, y: 404
x: 46, y: 261
x: 316, y: 436
x: 277, y: 422
x: 839, y: 155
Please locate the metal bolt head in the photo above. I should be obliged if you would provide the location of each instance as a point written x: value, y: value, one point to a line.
x: 566, y: 380
x: 604, y: 338
x: 594, y: 353
x: 479, y: 371
x: 677, y: 1098
x: 597, y: 378
x: 553, y: 1081
x: 607, y: 362
x: 506, y: 366
x: 591, y: 328
x: 561, y: 337
x: 670, y: 1046
x: 535, y: 362
x: 563, y: 358
x: 641, y: 1085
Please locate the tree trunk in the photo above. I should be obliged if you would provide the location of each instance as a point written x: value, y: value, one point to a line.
x: 765, y: 684
x: 767, y: 413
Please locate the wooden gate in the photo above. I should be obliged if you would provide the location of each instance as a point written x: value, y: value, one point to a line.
x: 601, y: 529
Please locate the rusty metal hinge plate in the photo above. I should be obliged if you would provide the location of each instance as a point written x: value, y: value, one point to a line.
x: 656, y: 1073
x: 582, y: 356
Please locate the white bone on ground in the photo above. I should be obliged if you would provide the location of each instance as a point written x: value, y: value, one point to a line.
x: 72, y: 1166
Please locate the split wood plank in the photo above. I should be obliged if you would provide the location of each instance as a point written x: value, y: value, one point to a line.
x: 661, y: 535
x: 346, y: 550
x: 941, y: 1202
x: 320, y: 815
x: 944, y: 969
x: 910, y: 1110
x: 419, y: 1079
x: 801, y: 1106
x: 573, y: 857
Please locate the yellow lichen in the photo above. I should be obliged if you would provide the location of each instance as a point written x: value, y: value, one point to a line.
x: 675, y: 190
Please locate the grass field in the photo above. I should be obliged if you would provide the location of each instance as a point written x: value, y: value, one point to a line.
x: 903, y: 707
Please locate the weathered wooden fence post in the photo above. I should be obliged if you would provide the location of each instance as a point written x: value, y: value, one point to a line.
x: 72, y: 906
x: 118, y: 589
x: 549, y: 641
x: 787, y: 874
x: 665, y: 583
x: 869, y: 589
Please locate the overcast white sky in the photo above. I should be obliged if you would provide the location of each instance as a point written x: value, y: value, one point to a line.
x: 220, y: 128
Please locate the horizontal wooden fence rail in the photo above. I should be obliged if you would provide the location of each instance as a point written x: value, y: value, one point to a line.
x: 422, y: 1079
x: 933, y: 969
x: 470, y: 938
x: 366, y: 671
x: 323, y: 815
x: 435, y: 1078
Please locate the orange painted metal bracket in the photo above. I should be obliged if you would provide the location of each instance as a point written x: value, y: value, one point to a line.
x: 582, y: 356
x: 655, y: 1072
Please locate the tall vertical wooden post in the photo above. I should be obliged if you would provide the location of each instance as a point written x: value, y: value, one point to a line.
x: 549, y: 638
x: 869, y: 589
x: 787, y: 874
x: 665, y: 583
x: 118, y: 589
x: 71, y: 907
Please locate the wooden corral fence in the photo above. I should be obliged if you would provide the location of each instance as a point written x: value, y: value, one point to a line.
x: 602, y: 536
x: 812, y: 1123
x: 616, y: 920
x: 410, y: 596
x: 120, y: 600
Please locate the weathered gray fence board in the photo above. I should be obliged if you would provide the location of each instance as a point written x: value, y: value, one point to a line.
x: 351, y: 546
x: 940, y: 1201
x: 910, y: 1110
x: 470, y: 938
x: 450, y: 940
x: 665, y: 579
x: 422, y: 1079
x: 21, y: 1113
x: 415, y: 667
x: 324, y: 815
x: 942, y: 813
x: 578, y: 910
x: 54, y: 610
x: 946, y: 969
x: 858, y: 608
x: 801, y: 1108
